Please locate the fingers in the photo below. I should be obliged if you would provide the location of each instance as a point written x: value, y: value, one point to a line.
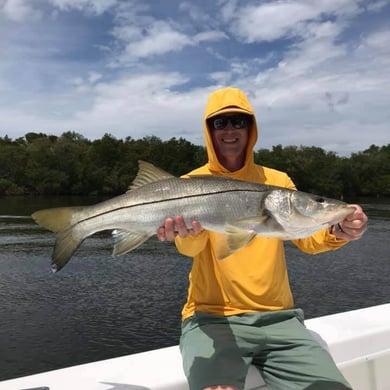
x: 196, y: 227
x: 354, y: 225
x: 176, y: 227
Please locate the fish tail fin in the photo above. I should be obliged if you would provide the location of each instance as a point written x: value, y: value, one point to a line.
x: 61, y: 221
x: 66, y: 244
x: 57, y: 219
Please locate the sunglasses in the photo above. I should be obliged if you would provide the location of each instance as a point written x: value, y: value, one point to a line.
x: 237, y: 121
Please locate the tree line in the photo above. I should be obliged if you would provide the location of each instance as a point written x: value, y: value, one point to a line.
x: 70, y: 164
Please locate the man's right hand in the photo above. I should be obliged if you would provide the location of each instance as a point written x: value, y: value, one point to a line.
x: 176, y: 227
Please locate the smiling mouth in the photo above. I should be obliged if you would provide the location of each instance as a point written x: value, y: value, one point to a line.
x: 230, y: 140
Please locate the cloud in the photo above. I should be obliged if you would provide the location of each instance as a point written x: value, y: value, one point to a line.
x: 316, y: 75
x: 208, y: 36
x: 325, y: 90
x: 18, y: 10
x: 378, y: 41
x: 21, y: 10
x: 376, y: 6
x: 289, y: 19
x: 143, y: 37
x: 157, y: 39
x: 91, y: 6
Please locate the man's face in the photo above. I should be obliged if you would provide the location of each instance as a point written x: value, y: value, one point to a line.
x: 230, y: 134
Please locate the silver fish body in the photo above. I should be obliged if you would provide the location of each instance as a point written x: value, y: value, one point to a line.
x: 240, y: 210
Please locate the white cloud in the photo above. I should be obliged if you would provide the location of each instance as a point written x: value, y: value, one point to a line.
x: 378, y: 41
x: 18, y: 10
x: 93, y: 77
x: 157, y: 39
x: 139, y: 105
x: 376, y: 6
x: 285, y: 17
x: 93, y: 6
x: 289, y: 19
x: 207, y: 36
x: 21, y: 10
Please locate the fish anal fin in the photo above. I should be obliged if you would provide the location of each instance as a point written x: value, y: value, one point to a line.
x: 148, y: 173
x: 127, y: 241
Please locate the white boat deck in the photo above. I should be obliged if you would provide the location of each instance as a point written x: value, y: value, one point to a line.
x: 358, y: 340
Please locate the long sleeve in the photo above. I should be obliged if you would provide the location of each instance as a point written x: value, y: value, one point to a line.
x: 320, y: 241
x: 192, y: 245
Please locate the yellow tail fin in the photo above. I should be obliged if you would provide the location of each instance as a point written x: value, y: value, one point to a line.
x: 61, y: 221
x: 56, y: 220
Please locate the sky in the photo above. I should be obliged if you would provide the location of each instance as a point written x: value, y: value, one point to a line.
x: 317, y: 72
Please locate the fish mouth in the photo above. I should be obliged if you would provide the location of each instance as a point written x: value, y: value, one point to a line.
x: 342, y: 214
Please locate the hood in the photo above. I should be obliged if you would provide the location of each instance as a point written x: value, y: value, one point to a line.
x: 222, y: 101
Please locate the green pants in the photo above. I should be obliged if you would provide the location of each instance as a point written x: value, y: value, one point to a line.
x: 218, y: 350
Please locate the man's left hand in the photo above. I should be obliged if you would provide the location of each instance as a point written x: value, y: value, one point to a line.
x: 353, y: 225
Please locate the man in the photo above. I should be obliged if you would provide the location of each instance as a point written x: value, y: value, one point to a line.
x: 240, y: 310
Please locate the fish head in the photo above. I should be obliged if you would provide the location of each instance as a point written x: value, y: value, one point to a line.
x: 317, y: 210
x: 300, y: 211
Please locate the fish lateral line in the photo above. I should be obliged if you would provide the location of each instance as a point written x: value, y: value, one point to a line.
x: 158, y: 201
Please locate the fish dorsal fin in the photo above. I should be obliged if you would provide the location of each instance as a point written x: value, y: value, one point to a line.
x: 148, y: 173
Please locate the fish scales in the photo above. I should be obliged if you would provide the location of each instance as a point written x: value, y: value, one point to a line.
x: 238, y: 209
x: 154, y: 202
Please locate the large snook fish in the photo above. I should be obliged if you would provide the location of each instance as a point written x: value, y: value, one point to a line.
x: 238, y: 209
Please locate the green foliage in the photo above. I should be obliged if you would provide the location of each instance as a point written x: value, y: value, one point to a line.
x: 314, y: 170
x: 73, y: 165
x: 373, y: 167
x: 311, y: 168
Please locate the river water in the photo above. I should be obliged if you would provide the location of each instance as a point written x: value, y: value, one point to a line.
x: 99, y: 307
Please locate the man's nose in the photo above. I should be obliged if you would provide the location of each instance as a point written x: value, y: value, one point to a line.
x: 229, y: 126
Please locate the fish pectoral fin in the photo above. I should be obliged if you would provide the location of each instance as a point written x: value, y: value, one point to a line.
x: 234, y: 240
x: 127, y: 241
x: 238, y: 238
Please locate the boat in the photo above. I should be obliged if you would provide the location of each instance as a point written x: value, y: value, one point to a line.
x: 358, y: 340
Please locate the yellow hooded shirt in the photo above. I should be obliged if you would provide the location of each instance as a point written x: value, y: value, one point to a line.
x: 254, y: 278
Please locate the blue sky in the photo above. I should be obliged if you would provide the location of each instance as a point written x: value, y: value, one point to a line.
x: 317, y: 72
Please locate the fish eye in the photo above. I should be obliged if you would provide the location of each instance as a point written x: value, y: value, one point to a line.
x: 320, y: 200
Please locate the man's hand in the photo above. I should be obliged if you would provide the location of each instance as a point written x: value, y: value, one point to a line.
x: 176, y: 227
x: 353, y: 226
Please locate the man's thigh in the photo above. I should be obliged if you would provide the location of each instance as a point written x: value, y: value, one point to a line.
x: 211, y: 355
x: 293, y: 359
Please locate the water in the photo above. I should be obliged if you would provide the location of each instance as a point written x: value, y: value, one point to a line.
x: 100, y: 307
